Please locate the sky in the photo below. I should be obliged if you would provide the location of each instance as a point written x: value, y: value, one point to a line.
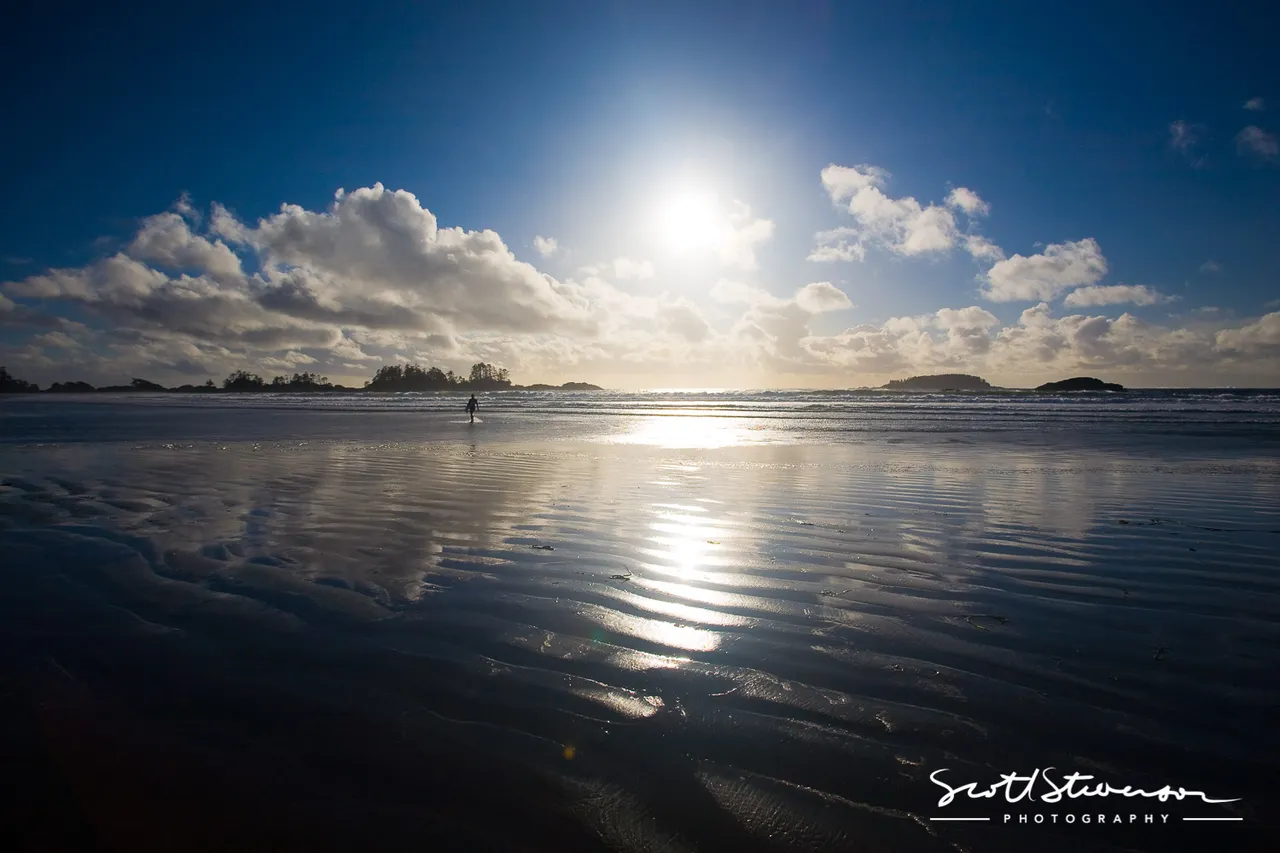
x: 643, y: 194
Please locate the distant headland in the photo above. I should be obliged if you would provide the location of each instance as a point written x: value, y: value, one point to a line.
x: 1080, y: 383
x: 939, y: 382
x: 391, y: 378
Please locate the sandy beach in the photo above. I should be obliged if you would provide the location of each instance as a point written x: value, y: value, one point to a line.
x: 608, y: 642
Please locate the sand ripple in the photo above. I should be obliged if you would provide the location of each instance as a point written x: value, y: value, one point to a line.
x: 770, y: 648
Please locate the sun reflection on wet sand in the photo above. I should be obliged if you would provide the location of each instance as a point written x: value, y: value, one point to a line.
x: 692, y: 432
x: 653, y: 630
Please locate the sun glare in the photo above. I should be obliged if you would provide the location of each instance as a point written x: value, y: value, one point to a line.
x: 689, y: 220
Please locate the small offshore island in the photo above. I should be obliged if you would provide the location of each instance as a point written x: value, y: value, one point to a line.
x: 1080, y: 383
x: 940, y: 382
x: 965, y: 383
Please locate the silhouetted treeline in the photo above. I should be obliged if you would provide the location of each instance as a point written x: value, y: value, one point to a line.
x: 394, y: 377
x: 243, y: 380
x: 411, y: 377
x: 13, y: 385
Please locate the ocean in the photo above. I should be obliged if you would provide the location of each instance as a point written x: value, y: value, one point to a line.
x: 659, y: 621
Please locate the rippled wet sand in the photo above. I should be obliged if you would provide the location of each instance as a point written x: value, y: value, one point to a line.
x: 339, y: 645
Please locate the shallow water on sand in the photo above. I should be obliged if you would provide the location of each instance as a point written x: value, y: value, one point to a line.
x: 617, y: 643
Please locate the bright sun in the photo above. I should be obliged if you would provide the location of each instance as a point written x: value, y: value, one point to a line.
x: 689, y: 220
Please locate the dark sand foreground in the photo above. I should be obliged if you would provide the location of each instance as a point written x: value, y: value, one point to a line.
x: 338, y: 645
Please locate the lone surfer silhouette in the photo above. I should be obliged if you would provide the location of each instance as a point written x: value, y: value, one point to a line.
x: 472, y: 405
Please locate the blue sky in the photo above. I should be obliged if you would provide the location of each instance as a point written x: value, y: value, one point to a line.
x: 1123, y: 124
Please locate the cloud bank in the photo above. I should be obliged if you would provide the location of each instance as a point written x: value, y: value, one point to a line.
x: 376, y: 278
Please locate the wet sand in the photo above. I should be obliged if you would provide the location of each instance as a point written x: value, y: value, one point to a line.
x: 590, y: 646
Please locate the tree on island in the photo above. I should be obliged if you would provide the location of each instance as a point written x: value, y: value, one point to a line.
x: 411, y: 377
x: 13, y: 385
x: 243, y: 380
x: 302, y: 382
x: 71, y: 388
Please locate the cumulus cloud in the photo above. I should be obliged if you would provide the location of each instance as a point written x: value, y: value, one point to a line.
x: 1261, y: 337
x: 1116, y: 294
x: 837, y: 244
x: 383, y: 248
x: 1255, y: 141
x: 58, y: 340
x: 1041, y: 345
x: 376, y: 260
x: 730, y: 291
x: 821, y: 296
x: 903, y: 225
x: 545, y: 246
x: 1256, y: 105
x: 375, y: 278
x: 1059, y: 267
x: 744, y: 233
x: 627, y: 269
x: 681, y: 317
x: 166, y: 241
x: 982, y: 249
x: 774, y: 333
x: 1183, y: 136
x: 969, y: 201
x: 1210, y: 266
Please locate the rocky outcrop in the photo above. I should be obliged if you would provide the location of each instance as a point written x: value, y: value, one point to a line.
x: 1080, y: 383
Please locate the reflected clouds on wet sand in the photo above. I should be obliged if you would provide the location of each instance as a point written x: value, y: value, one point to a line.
x: 690, y: 599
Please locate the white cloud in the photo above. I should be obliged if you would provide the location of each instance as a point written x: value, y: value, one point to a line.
x: 382, y: 254
x: 1115, y: 294
x: 1185, y: 139
x: 682, y: 318
x: 184, y: 207
x: 737, y: 242
x: 730, y: 292
x: 1261, y: 337
x: 1040, y: 346
x: 972, y: 317
x: 969, y: 201
x: 1255, y: 104
x: 374, y: 278
x: 1254, y: 140
x: 59, y: 340
x: 375, y: 261
x: 821, y: 296
x: 1183, y: 136
x: 626, y: 269
x: 982, y: 249
x: 545, y: 246
x: 1042, y: 277
x: 837, y: 244
x: 901, y: 225
x: 166, y: 241
x: 1210, y: 266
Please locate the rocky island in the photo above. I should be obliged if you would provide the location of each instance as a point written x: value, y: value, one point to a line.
x: 568, y: 386
x: 1080, y: 383
x: 939, y: 382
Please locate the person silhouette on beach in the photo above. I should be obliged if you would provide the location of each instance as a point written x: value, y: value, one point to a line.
x: 472, y: 405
